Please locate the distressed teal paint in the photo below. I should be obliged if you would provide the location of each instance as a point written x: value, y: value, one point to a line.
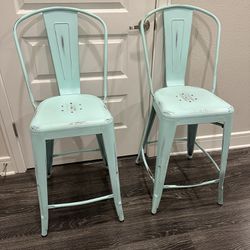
x: 62, y: 31
x: 177, y: 27
x: 178, y: 104
x: 71, y: 113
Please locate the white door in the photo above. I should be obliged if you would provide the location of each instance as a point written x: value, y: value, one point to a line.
x: 126, y: 78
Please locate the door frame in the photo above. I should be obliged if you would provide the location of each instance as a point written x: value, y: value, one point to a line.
x: 6, y: 123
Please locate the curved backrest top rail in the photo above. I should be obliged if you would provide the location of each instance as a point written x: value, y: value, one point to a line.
x: 61, y: 27
x: 179, y: 19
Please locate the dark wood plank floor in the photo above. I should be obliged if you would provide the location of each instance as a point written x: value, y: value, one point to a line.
x: 186, y: 219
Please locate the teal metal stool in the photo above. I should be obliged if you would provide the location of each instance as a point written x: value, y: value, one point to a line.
x: 178, y: 104
x: 72, y: 113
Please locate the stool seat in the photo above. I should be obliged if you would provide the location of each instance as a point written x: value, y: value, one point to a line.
x: 70, y: 111
x: 188, y: 101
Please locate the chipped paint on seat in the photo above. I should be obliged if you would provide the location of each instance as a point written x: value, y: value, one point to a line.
x: 65, y: 112
x: 188, y: 101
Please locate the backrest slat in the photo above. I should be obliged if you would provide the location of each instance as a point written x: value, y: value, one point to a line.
x: 177, y: 32
x: 62, y: 32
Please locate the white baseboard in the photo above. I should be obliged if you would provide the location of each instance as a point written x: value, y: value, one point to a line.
x: 5, y: 159
x: 3, y: 174
x: 209, y: 142
x: 238, y: 140
x: 8, y: 170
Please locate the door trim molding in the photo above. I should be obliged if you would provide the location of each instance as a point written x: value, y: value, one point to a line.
x: 12, y: 142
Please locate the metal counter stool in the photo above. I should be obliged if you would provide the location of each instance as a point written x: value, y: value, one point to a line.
x: 178, y: 104
x: 72, y: 113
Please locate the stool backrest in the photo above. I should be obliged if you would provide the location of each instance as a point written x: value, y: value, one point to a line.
x: 61, y: 24
x: 177, y: 28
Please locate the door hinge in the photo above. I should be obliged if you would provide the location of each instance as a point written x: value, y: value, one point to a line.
x: 15, y: 129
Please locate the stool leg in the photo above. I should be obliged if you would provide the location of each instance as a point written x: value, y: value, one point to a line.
x: 110, y: 149
x: 224, y: 154
x: 49, y: 151
x: 39, y: 149
x: 165, y: 141
x: 102, y: 148
x: 192, y: 130
x: 146, y: 132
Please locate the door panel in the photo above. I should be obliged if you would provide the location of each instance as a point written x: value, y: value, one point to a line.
x: 127, y: 95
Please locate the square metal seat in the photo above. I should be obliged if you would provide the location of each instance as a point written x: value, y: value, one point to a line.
x: 65, y: 112
x: 188, y: 101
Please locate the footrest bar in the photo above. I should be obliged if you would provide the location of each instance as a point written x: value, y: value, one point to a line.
x: 208, y: 155
x: 79, y: 203
x: 76, y: 152
x: 181, y: 186
x: 146, y: 166
x: 191, y: 185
